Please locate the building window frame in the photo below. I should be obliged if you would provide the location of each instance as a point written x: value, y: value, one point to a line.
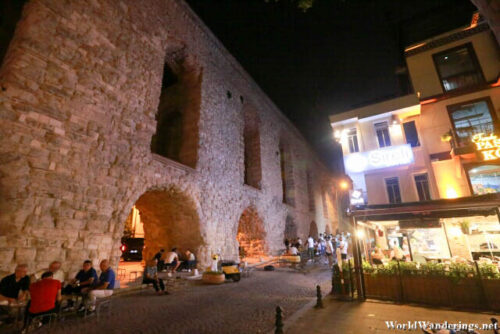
x: 475, y: 62
x: 387, y: 189
x: 419, y: 143
x: 386, y: 136
x: 456, y: 106
x: 352, y: 140
x: 429, y: 189
x: 472, y: 165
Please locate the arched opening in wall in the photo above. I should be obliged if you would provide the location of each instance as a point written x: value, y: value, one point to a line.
x: 251, y: 236
x: 251, y: 138
x: 290, y: 228
x: 313, y: 230
x: 327, y: 229
x: 177, y: 132
x: 10, y: 14
x: 160, y: 219
x: 286, y: 166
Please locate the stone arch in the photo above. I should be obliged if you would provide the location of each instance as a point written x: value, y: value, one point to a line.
x: 290, y: 228
x: 251, y: 234
x: 170, y: 220
x: 177, y: 130
x: 313, y: 229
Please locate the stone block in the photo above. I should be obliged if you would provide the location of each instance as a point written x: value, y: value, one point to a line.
x: 6, y: 255
x: 25, y: 255
x: 48, y: 254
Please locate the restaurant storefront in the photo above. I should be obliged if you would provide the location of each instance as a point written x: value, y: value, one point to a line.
x: 463, y: 229
x: 447, y: 252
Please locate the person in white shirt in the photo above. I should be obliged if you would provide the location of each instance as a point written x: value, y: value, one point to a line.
x: 191, y: 260
x: 329, y: 251
x: 343, y: 248
x: 55, y: 269
x: 172, y: 261
x: 310, y: 247
x: 293, y: 250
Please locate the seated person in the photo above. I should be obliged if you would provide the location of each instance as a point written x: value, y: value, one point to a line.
x: 190, y: 260
x: 293, y: 250
x: 159, y: 259
x: 151, y: 276
x: 172, y: 261
x: 396, y: 253
x: 14, y: 288
x: 104, y: 285
x: 55, y: 269
x: 83, y: 279
x: 377, y: 256
x: 45, y: 294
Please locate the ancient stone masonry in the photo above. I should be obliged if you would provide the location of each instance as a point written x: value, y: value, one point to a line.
x: 107, y: 104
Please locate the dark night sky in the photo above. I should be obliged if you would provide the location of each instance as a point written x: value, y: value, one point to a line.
x: 339, y: 54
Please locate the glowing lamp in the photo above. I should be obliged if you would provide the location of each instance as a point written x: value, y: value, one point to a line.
x: 360, y: 234
x: 451, y: 192
x: 123, y: 248
x: 344, y: 185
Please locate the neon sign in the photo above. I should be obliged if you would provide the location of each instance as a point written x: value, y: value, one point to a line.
x: 489, y: 146
x: 382, y: 158
x: 357, y: 197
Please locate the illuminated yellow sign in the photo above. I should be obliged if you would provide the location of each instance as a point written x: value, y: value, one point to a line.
x: 489, y: 146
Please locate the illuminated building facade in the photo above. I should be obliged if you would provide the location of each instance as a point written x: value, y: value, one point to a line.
x: 438, y: 143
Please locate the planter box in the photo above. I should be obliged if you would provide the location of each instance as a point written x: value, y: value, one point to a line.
x: 492, y: 292
x: 426, y: 290
x: 384, y: 287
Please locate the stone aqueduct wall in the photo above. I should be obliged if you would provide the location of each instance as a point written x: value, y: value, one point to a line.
x: 80, y: 87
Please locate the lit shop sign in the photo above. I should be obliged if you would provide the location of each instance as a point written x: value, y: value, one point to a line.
x: 357, y: 197
x: 381, y: 158
x: 489, y: 146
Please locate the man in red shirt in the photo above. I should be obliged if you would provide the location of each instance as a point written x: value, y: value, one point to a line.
x: 44, y: 295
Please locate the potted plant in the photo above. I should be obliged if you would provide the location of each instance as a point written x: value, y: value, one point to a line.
x: 213, y: 277
x: 465, y: 226
x: 447, y: 136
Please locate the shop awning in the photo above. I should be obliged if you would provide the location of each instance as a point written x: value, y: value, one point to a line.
x: 481, y: 205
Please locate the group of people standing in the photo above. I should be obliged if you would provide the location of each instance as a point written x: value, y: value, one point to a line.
x: 334, y: 248
x: 45, y: 289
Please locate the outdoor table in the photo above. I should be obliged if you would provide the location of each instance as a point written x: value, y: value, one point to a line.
x: 16, y: 309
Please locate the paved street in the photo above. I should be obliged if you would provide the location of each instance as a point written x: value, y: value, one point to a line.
x: 244, y: 307
x: 371, y: 317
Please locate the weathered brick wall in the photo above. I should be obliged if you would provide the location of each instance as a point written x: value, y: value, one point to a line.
x: 80, y: 87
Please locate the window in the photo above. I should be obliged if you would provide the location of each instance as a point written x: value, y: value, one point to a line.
x: 458, y: 68
x: 310, y: 192
x: 485, y: 179
x: 382, y: 130
x: 392, y: 185
x: 411, y: 134
x: 10, y: 13
x: 470, y: 119
x: 325, y: 204
x: 286, y: 175
x: 422, y: 185
x: 177, y: 117
x: 352, y: 139
x: 251, y: 140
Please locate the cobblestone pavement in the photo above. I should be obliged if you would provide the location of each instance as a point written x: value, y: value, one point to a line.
x: 247, y: 306
x: 370, y: 317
